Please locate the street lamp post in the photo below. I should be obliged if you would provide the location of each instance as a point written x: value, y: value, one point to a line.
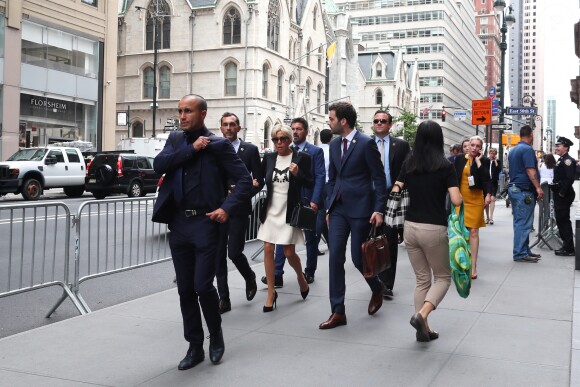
x: 507, y: 21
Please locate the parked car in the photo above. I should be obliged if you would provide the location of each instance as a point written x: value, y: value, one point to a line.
x: 124, y: 173
x: 30, y: 171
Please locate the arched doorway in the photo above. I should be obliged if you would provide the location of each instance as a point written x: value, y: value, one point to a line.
x: 138, y: 129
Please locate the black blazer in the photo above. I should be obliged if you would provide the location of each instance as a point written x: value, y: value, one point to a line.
x: 303, y: 179
x: 495, y: 170
x: 481, y: 175
x: 250, y: 155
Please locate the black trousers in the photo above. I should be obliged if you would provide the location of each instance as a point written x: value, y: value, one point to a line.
x: 232, y: 242
x: 388, y: 276
x: 562, y: 213
x: 193, y: 242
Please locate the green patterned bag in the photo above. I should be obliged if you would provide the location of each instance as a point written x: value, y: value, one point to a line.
x: 459, y: 252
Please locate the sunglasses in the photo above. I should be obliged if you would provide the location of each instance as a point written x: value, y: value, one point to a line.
x: 382, y: 121
x: 280, y: 139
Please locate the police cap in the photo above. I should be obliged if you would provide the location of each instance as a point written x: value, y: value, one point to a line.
x: 564, y: 141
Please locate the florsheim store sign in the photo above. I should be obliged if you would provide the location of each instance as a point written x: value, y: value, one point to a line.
x: 35, y: 106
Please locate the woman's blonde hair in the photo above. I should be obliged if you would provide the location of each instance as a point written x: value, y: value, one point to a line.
x: 281, y: 128
x: 476, y: 138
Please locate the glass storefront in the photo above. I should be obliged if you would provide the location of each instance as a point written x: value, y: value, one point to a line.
x: 53, y: 49
x: 46, y: 121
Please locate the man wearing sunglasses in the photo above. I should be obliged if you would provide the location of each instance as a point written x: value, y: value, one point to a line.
x: 393, y: 151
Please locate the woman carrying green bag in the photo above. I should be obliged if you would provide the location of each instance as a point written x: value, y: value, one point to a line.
x: 428, y: 177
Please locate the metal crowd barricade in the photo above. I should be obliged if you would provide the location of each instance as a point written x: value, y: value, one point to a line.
x: 254, y: 218
x: 35, y: 253
x: 116, y: 235
x: 547, y: 229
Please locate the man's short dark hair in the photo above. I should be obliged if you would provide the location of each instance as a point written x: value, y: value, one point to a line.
x: 344, y: 110
x: 389, y: 116
x: 456, y: 147
x: 325, y: 136
x: 526, y: 131
x: 302, y: 121
x: 228, y: 114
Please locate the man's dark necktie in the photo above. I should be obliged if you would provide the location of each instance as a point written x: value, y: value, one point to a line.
x: 344, y: 148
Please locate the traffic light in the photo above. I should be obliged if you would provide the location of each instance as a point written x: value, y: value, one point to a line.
x: 498, y: 89
x: 443, y: 115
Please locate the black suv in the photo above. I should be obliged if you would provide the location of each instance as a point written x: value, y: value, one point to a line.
x: 130, y: 174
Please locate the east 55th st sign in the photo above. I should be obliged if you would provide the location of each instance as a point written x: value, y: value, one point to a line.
x: 481, y: 112
x: 521, y: 111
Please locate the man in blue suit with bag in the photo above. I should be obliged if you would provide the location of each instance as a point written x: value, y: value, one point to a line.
x: 193, y: 200
x: 355, y: 201
x: 310, y: 196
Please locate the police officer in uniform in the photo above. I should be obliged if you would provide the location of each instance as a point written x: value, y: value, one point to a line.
x: 564, y: 194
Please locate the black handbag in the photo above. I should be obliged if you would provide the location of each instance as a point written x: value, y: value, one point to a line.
x: 303, y: 217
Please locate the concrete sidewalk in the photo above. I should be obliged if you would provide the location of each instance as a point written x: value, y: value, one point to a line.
x: 515, y: 329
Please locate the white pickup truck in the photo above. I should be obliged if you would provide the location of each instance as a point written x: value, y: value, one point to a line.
x: 32, y: 170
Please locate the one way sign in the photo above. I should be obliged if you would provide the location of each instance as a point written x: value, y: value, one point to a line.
x: 481, y: 112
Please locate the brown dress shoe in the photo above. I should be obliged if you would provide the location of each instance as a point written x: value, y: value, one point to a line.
x: 376, y: 300
x: 335, y: 320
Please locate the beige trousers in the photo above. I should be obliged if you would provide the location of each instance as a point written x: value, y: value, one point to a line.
x: 428, y: 249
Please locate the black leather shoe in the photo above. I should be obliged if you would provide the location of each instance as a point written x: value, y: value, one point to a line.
x: 565, y: 253
x: 388, y: 294
x: 251, y: 288
x: 320, y: 253
x: 418, y: 323
x: 217, y: 347
x: 278, y: 281
x: 534, y: 255
x: 225, y: 305
x: 527, y: 259
x: 194, y: 356
x: 309, y: 278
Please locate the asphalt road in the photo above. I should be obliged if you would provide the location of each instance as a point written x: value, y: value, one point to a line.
x: 124, y: 235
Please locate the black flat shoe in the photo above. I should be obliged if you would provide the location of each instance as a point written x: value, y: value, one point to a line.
x: 267, y: 309
x: 251, y: 288
x: 217, y: 346
x: 418, y: 323
x: 305, y: 293
x: 194, y: 356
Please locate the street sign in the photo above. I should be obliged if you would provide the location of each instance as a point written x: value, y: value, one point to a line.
x: 491, y: 92
x: 500, y: 126
x: 460, y: 115
x: 481, y: 112
x: 521, y: 111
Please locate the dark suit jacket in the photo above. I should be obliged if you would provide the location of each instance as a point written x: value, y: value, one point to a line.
x: 481, y: 175
x: 495, y: 170
x: 219, y: 161
x: 359, y: 177
x: 250, y: 155
x: 399, y: 150
x: 318, y: 172
x: 304, y: 178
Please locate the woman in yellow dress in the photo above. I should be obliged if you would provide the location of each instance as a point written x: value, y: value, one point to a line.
x: 475, y: 187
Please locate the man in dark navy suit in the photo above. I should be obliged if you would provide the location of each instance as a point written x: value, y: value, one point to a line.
x: 233, y: 232
x: 313, y: 196
x: 193, y: 200
x: 393, y: 152
x: 356, y: 199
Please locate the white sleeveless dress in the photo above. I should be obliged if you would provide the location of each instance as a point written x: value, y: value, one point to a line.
x: 275, y: 229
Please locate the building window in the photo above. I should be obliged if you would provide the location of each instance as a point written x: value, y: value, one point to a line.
x: 231, y: 79
x: 148, y: 83
x: 279, y: 85
x: 265, y: 75
x: 308, y: 49
x: 319, y: 98
x: 158, y: 20
x: 94, y: 3
x: 379, y: 97
x: 232, y: 27
x: 307, y: 93
x: 320, y: 56
x: 273, y: 24
x: 164, y: 82
x: 314, y: 17
x: 379, y: 70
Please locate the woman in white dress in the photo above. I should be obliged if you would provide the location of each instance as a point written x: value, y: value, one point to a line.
x: 286, y: 172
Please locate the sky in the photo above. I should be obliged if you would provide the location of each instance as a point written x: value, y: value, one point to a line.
x: 561, y: 64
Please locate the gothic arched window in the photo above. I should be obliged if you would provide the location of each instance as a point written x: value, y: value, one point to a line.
x: 231, y: 79
x: 158, y: 20
x: 232, y: 26
x: 273, y: 24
